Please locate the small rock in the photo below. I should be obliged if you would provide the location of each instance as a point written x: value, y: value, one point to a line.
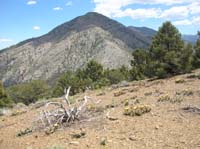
x: 74, y: 143
x: 132, y: 138
x: 78, y: 135
x: 103, y: 141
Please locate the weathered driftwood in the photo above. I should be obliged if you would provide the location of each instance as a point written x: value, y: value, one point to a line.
x: 61, y: 112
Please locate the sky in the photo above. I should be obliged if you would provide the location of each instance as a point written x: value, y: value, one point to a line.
x: 24, y: 19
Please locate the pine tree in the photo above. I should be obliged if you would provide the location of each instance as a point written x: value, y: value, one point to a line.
x: 187, y: 58
x: 197, y: 53
x: 139, y: 64
x: 94, y: 70
x: 166, y: 50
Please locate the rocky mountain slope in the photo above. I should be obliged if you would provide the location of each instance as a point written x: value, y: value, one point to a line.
x: 70, y: 46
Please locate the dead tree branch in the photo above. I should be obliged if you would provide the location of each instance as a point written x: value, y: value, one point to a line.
x: 58, y: 113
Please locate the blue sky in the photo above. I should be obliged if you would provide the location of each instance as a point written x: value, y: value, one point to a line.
x: 23, y: 19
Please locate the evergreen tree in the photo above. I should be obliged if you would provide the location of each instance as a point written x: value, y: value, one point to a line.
x: 166, y: 50
x: 94, y: 71
x: 187, y: 58
x: 166, y: 56
x: 197, y: 53
x: 67, y: 79
x: 139, y: 64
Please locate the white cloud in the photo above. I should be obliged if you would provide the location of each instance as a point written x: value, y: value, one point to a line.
x: 57, y: 8
x: 110, y: 7
x: 154, y: 2
x: 5, y: 40
x: 31, y: 2
x: 36, y: 27
x: 178, y: 12
x: 196, y: 20
x: 194, y: 8
x: 68, y: 3
x: 193, y: 21
x: 182, y: 22
x: 139, y: 13
x: 176, y: 9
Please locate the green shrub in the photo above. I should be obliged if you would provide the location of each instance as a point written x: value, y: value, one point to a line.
x: 5, y: 100
x: 114, y: 76
x: 29, y: 92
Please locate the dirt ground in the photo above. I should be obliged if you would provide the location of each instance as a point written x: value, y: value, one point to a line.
x: 167, y: 125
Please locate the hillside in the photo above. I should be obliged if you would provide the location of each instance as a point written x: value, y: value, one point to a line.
x: 70, y: 46
x: 173, y: 121
x: 190, y: 38
x: 149, y: 33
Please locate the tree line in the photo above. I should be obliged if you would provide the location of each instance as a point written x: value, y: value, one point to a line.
x: 168, y: 55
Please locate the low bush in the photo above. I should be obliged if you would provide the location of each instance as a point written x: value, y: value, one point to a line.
x: 24, y: 132
x: 29, y: 92
x: 5, y: 100
x: 136, y: 110
x: 164, y: 98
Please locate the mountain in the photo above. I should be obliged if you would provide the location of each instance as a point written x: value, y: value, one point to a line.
x: 190, y: 38
x: 149, y: 33
x: 69, y: 47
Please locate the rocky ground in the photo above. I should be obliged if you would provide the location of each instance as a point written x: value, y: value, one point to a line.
x: 117, y: 118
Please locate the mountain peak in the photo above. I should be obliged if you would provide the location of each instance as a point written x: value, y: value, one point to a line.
x: 70, y: 46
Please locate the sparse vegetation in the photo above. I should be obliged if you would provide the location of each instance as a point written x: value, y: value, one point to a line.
x: 167, y: 98
x: 185, y: 92
x: 18, y: 112
x: 136, y: 110
x: 24, y: 132
x: 164, y: 98
x: 176, y: 99
x: 119, y: 93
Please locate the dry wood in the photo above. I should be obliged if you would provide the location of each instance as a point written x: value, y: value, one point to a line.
x: 61, y: 113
